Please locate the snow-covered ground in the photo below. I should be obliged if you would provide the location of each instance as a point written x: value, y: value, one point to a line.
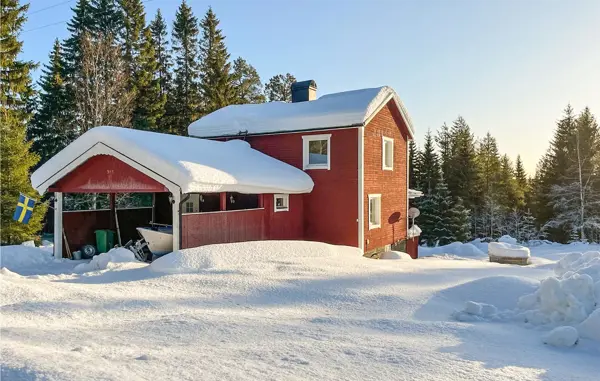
x: 284, y: 311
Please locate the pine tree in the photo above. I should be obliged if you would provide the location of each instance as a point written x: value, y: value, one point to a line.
x: 158, y: 28
x: 509, y: 196
x: 528, y: 229
x: 462, y: 168
x: 149, y: 103
x: 134, y: 21
x: 279, y: 88
x: 246, y: 83
x: 460, y: 222
x: 106, y: 18
x: 53, y: 126
x: 215, y: 70
x: 16, y: 159
x: 428, y: 167
x: 184, y: 101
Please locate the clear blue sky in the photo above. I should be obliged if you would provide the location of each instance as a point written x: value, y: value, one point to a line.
x: 508, y: 67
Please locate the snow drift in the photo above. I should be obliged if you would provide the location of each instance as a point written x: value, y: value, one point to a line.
x: 458, y: 249
x: 106, y: 260
x: 24, y: 256
x: 246, y: 255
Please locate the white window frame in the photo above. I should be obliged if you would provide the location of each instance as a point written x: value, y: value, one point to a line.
x: 187, y: 203
x: 384, y: 140
x: 371, y: 224
x: 286, y: 201
x: 306, y: 139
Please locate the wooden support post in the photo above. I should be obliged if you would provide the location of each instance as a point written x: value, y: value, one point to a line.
x: 113, y: 208
x: 223, y: 201
x: 261, y: 200
x: 58, y: 224
x: 176, y: 221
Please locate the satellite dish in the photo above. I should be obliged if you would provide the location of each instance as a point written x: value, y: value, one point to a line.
x: 414, y: 212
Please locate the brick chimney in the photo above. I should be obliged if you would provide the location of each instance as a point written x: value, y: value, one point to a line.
x: 304, y: 91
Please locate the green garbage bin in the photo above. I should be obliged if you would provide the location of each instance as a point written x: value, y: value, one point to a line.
x: 105, y: 240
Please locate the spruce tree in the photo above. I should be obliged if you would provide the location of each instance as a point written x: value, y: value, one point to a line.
x: 77, y: 26
x: 413, y: 173
x: 149, y: 103
x: 428, y: 167
x: 428, y: 219
x: 53, y: 126
x: 134, y: 21
x: 509, y: 195
x: 462, y: 168
x: 246, y: 83
x: 106, y: 18
x: 183, y: 102
x: 460, y: 222
x: 442, y: 201
x: 444, y: 142
x: 215, y: 70
x: 16, y: 159
x: 279, y: 88
x: 158, y: 27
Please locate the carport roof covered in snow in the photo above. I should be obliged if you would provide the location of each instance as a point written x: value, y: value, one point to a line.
x: 191, y: 164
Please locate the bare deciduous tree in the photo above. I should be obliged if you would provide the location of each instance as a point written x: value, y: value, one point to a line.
x: 101, y: 93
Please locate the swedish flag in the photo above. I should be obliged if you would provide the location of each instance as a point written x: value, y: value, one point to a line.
x: 24, y: 209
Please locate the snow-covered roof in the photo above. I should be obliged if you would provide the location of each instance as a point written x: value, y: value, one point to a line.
x: 192, y: 164
x: 346, y: 109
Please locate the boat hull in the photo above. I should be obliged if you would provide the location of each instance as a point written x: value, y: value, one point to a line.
x: 159, y: 242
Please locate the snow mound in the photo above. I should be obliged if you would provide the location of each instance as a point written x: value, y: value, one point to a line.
x: 508, y: 239
x: 565, y: 336
x: 590, y: 327
x: 103, y: 261
x: 244, y: 255
x: 18, y: 257
x: 474, y: 311
x: 459, y: 249
x: 570, y: 298
x: 503, y: 249
x: 414, y: 231
x: 395, y: 255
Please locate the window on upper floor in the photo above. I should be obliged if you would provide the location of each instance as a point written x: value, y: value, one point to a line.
x: 316, y: 151
x: 387, y: 151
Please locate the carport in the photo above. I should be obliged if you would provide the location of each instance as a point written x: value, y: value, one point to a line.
x: 113, y: 160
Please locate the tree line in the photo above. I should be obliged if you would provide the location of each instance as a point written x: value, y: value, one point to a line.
x: 472, y: 191
x: 114, y: 68
x: 117, y: 68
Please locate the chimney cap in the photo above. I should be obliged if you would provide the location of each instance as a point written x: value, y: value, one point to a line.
x: 304, y: 84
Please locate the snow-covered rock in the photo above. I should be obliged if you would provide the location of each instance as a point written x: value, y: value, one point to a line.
x: 103, y: 261
x: 564, y: 336
x: 503, y: 249
x: 395, y: 255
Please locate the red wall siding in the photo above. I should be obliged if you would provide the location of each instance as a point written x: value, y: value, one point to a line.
x: 244, y: 225
x: 221, y: 227
x: 288, y: 224
x: 390, y: 184
x: 412, y: 247
x: 330, y: 210
x: 106, y: 174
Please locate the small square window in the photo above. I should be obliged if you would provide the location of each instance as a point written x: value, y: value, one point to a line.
x: 387, y: 152
x: 189, y: 207
x: 316, y: 151
x: 282, y: 202
x: 374, y: 211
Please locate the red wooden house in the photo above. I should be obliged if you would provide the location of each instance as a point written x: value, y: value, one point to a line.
x: 332, y: 169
